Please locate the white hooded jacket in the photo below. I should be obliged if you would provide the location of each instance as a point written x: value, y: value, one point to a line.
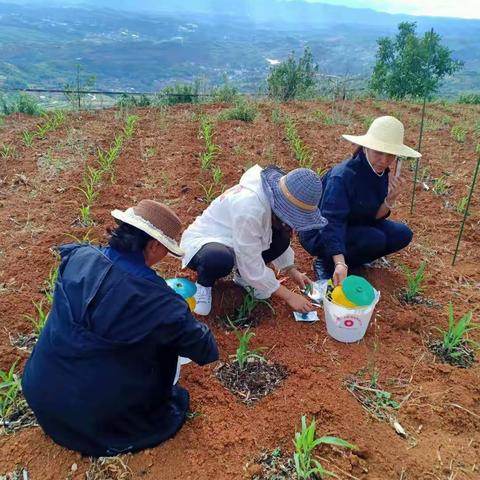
x: 240, y: 218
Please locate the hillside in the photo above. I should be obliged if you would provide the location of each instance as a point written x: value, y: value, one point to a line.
x: 40, y: 46
x: 439, y: 404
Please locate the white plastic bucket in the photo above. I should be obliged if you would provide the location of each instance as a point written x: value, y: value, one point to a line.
x: 348, y: 325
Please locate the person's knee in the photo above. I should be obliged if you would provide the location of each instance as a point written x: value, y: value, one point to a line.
x: 220, y: 262
x: 402, y: 237
x: 372, y: 244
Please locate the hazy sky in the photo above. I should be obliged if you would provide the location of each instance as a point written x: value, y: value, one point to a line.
x: 441, y: 8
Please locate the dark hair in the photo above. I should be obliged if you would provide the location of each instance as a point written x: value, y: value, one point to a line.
x: 357, y: 151
x: 127, y: 238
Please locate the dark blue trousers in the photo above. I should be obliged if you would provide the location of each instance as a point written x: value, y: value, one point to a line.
x: 365, y: 243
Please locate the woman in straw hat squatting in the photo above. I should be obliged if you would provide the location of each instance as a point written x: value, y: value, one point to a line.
x: 249, y: 226
x: 358, y: 196
x: 100, y: 378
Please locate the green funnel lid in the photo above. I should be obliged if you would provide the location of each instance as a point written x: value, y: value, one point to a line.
x: 358, y: 290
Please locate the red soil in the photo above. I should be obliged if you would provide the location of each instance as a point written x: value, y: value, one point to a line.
x: 39, y: 207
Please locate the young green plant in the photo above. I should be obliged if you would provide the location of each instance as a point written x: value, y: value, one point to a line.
x: 456, y: 335
x: 305, y: 442
x: 414, y: 281
x: 41, y: 317
x: 10, y: 388
x: 244, y: 354
x: 7, y: 151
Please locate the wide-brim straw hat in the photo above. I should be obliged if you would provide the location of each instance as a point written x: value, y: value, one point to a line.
x: 294, y: 197
x: 385, y: 135
x: 156, y: 220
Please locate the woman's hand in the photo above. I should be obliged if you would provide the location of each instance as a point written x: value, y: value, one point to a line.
x: 299, y: 303
x: 299, y: 278
x: 395, y: 187
x: 340, y: 273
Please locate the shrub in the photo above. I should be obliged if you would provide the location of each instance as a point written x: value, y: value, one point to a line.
x: 180, y: 93
x: 226, y: 93
x: 291, y: 78
x: 470, y: 98
x: 459, y: 133
x: 244, y: 111
x: 131, y: 101
x: 22, y: 103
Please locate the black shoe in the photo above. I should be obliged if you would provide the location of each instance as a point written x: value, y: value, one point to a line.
x: 321, y: 272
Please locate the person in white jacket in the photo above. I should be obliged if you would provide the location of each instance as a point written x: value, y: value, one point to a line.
x: 249, y: 226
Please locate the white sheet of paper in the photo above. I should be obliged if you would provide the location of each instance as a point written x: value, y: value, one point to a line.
x: 306, y: 317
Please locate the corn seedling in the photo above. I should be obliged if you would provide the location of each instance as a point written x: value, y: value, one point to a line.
x: 301, y: 151
x: 130, y: 125
x: 455, y: 338
x: 206, y: 131
x: 305, y: 442
x: 40, y: 319
x: 277, y: 116
x: 323, y: 117
x: 210, y: 193
x: 50, y: 284
x: 414, y: 281
x: 321, y: 171
x: 10, y: 388
x: 462, y: 205
x: 217, y: 175
x: 243, y: 354
x: 85, y: 216
x: 84, y: 239
x: 93, y: 175
x: 89, y: 192
x: 440, y: 186
x: 28, y: 138
x: 7, y: 150
x: 207, y: 158
x: 458, y: 133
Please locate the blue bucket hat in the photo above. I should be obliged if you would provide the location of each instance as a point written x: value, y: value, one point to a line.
x: 294, y: 197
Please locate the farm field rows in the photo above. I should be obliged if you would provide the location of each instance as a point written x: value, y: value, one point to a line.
x: 40, y: 207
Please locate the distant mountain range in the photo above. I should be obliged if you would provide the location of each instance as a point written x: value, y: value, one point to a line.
x: 144, y: 45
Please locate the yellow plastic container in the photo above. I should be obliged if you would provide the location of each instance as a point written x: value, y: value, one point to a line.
x: 191, y: 303
x: 338, y: 297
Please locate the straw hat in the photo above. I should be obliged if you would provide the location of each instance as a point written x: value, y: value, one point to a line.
x: 385, y: 135
x: 156, y: 220
x: 294, y: 197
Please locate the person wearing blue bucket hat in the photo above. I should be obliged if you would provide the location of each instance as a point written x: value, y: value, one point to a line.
x: 359, y: 195
x: 249, y: 226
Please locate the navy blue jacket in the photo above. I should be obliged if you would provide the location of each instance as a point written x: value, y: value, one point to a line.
x: 100, y: 377
x: 352, y: 195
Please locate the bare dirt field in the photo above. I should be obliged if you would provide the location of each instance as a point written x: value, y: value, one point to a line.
x: 439, y: 403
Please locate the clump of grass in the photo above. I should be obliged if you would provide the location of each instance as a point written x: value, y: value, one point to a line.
x: 10, y: 389
x: 244, y: 354
x: 306, y: 466
x: 458, y: 133
x: 323, y: 117
x: 414, y: 282
x: 440, y: 186
x: 7, y: 150
x: 277, y: 116
x: 28, y: 138
x: 462, y: 205
x: 209, y: 192
x: 244, y: 111
x: 40, y: 318
x: 454, y: 346
x: 243, y: 314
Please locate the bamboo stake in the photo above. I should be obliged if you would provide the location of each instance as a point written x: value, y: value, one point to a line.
x: 460, y: 233
x: 419, y: 148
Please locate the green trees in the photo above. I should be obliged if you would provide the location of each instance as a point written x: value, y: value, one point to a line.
x: 411, y: 66
x: 291, y: 78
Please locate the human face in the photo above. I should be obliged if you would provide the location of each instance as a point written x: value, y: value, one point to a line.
x: 379, y: 161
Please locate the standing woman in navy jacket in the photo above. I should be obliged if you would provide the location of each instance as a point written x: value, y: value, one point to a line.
x: 359, y: 195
